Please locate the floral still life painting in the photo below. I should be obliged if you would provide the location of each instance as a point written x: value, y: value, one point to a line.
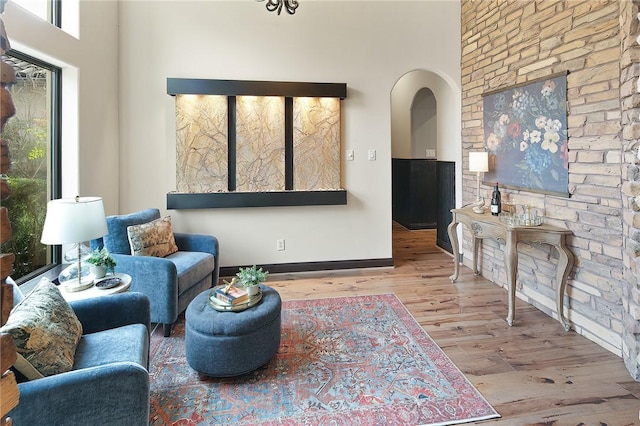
x: 525, y: 133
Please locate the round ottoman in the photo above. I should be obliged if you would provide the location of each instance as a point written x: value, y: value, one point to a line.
x: 223, y: 344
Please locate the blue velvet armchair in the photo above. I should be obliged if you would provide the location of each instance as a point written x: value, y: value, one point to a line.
x: 170, y: 282
x: 109, y: 382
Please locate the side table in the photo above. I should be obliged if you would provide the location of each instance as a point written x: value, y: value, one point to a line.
x: 94, y: 291
x: 487, y: 226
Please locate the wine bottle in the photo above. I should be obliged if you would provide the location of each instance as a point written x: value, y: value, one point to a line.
x: 496, y: 201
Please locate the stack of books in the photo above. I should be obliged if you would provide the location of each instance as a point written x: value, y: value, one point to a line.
x: 231, y: 296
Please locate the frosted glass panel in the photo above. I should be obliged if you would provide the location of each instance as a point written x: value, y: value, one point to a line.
x: 316, y: 143
x: 201, y: 143
x: 260, y: 143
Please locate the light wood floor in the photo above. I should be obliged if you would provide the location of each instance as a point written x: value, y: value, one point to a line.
x: 533, y: 373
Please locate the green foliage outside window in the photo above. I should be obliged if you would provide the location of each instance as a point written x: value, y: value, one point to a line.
x: 28, y: 136
x: 28, y: 139
x: 27, y: 209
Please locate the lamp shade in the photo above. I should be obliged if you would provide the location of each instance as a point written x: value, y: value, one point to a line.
x: 479, y: 161
x: 74, y: 220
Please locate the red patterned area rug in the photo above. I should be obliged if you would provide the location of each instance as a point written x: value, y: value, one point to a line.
x: 360, y: 360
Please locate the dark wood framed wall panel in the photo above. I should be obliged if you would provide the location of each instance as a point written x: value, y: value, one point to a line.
x: 288, y: 143
x: 221, y: 200
x: 231, y: 143
x: 197, y: 86
x: 232, y: 89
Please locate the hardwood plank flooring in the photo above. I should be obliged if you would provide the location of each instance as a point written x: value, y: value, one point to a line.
x: 533, y: 373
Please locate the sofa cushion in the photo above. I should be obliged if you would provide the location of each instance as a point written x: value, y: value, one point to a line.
x: 126, y: 343
x: 45, y: 331
x: 152, y: 239
x: 191, y: 267
x: 117, y: 240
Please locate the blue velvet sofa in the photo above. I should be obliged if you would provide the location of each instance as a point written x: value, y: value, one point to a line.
x: 109, y: 382
x: 170, y: 282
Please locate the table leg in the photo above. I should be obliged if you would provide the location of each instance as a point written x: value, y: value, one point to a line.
x: 511, y: 267
x: 565, y: 264
x: 476, y: 244
x: 453, y: 237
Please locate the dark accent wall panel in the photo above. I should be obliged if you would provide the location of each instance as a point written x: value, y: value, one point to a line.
x: 288, y: 144
x: 414, y: 193
x: 200, y: 86
x: 222, y: 200
x: 231, y: 143
x: 446, y: 177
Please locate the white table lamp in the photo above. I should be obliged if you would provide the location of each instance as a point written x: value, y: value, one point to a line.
x: 74, y: 221
x: 479, y: 163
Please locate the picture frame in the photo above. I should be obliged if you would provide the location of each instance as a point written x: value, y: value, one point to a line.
x: 525, y: 134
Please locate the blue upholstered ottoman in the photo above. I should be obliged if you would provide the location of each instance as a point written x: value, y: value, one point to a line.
x: 223, y: 344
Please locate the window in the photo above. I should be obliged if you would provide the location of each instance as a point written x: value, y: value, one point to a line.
x: 34, y: 148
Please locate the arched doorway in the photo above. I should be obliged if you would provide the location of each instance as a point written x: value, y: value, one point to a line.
x: 426, y: 152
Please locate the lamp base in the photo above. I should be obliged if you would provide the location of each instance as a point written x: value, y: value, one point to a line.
x: 478, y: 206
x: 73, y: 286
x: 76, y: 277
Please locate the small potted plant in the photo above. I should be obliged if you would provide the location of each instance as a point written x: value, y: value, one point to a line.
x: 250, y: 278
x: 101, y: 262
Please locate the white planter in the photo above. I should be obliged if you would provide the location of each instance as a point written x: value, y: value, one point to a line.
x: 253, y: 290
x: 98, y: 271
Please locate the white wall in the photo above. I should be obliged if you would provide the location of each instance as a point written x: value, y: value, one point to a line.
x: 424, y: 124
x: 368, y: 45
x: 90, y: 97
x: 117, y: 80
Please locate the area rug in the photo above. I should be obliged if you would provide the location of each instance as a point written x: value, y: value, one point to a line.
x: 360, y: 360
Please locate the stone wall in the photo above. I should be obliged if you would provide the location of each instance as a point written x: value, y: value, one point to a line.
x: 630, y: 108
x: 505, y: 43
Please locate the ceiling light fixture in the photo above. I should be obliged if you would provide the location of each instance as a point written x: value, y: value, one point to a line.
x: 276, y: 5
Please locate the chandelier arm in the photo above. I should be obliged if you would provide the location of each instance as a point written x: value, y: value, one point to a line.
x: 277, y: 5
x: 273, y: 5
x: 292, y: 5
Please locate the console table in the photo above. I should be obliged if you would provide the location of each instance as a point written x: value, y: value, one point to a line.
x: 488, y: 226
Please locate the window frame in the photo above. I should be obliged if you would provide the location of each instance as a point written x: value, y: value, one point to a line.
x: 55, y: 148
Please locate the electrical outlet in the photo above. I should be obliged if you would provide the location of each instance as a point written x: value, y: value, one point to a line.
x: 431, y: 153
x: 349, y: 155
x: 280, y: 245
x: 372, y: 155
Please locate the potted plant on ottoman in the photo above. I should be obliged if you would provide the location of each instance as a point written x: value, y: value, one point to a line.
x: 250, y: 278
x: 101, y: 262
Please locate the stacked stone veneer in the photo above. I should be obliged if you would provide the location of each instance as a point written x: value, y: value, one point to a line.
x: 507, y: 42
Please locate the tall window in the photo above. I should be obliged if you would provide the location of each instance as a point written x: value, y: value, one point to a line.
x: 34, y: 147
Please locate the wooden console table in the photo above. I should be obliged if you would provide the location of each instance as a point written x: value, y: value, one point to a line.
x: 488, y: 226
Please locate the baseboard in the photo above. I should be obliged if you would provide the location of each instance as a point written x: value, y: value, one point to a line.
x: 280, y: 268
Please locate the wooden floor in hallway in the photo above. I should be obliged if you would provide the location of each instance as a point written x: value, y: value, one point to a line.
x: 533, y: 373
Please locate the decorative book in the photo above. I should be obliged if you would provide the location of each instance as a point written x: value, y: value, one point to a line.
x: 232, y: 296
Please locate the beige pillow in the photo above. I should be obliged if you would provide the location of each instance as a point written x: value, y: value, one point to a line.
x: 45, y: 331
x: 153, y: 238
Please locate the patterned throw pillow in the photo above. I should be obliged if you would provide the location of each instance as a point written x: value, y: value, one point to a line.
x: 152, y: 239
x: 45, y: 331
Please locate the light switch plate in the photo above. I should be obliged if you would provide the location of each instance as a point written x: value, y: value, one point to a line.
x: 372, y: 155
